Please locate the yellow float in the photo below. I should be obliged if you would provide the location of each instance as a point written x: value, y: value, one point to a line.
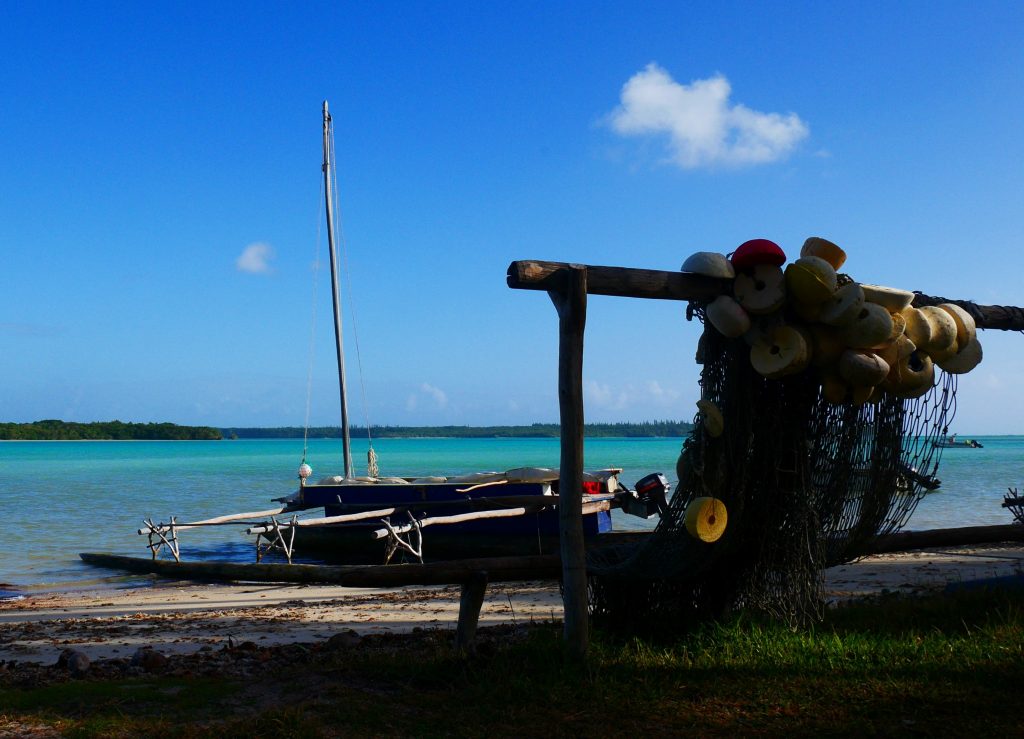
x: 706, y: 519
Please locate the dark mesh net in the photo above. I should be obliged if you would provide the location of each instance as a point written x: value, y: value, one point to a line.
x: 806, y: 485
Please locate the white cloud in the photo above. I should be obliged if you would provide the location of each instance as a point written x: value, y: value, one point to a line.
x: 439, y: 396
x: 703, y: 127
x: 647, y: 397
x: 659, y: 395
x: 428, y: 391
x: 604, y: 397
x: 255, y: 259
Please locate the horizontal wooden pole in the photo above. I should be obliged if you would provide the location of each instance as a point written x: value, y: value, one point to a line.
x: 621, y: 281
x: 964, y: 536
x: 233, y: 518
x: 628, y: 282
x: 997, y: 317
x: 404, y: 528
x: 264, y: 528
x: 485, y: 505
x: 457, y: 518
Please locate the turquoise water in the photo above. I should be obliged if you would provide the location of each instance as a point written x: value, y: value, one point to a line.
x: 61, y: 498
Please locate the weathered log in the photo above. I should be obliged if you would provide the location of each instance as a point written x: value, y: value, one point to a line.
x: 499, y: 569
x: 628, y: 282
x: 963, y: 536
x: 621, y: 281
x: 903, y: 541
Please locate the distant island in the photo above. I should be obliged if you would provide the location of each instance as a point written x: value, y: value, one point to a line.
x: 52, y: 430
x: 645, y: 429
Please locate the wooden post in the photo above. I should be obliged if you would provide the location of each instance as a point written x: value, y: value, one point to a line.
x: 570, y: 299
x: 470, y: 602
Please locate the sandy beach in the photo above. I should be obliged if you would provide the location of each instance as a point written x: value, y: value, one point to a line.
x: 184, y: 617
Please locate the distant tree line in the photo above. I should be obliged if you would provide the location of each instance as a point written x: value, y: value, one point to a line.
x: 536, y: 430
x: 51, y: 430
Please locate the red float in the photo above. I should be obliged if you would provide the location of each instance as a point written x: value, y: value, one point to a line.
x: 757, y: 251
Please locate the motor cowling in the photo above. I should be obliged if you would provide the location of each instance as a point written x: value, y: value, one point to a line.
x: 650, y: 496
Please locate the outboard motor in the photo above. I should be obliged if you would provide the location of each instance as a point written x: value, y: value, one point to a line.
x: 651, y: 497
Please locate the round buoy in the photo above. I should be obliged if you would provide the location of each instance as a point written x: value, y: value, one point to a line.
x: 757, y: 251
x: 706, y: 519
x: 305, y: 471
x: 714, y: 422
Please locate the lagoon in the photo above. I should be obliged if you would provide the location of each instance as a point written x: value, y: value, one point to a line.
x: 61, y: 498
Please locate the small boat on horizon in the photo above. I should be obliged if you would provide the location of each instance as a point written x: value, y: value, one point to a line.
x: 951, y: 442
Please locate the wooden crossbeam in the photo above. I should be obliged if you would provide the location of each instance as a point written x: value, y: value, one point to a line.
x: 627, y: 282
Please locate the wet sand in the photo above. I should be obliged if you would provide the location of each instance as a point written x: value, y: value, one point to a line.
x: 182, y: 617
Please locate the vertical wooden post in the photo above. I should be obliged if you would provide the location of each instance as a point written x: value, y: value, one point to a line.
x: 571, y: 303
x: 470, y: 602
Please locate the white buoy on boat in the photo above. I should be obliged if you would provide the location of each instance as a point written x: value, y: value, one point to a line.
x: 305, y: 471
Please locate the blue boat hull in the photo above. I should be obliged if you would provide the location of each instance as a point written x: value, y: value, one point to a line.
x: 532, y: 533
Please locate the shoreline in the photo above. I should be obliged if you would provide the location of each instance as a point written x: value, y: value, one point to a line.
x: 175, y: 617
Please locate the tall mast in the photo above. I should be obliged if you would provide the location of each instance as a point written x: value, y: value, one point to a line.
x: 346, y: 439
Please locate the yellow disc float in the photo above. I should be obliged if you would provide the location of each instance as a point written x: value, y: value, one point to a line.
x: 714, y: 422
x: 706, y: 519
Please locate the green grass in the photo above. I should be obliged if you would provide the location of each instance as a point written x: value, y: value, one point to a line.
x: 945, y: 666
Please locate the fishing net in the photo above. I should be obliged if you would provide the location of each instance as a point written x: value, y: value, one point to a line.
x: 806, y: 485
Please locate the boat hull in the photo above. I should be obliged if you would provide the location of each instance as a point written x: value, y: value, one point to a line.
x: 534, y: 532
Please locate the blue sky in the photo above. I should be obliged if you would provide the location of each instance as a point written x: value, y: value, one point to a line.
x: 146, y: 147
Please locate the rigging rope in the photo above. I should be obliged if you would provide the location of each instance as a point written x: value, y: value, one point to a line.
x: 371, y: 456
x: 312, y: 325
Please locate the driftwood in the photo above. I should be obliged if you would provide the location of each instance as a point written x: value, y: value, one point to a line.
x: 963, y: 536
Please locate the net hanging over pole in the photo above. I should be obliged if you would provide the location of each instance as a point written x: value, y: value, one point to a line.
x: 791, y: 467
